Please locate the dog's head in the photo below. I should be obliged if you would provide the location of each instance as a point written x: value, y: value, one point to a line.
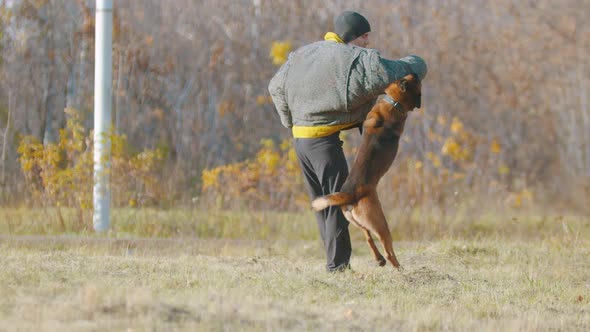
x: 406, y: 91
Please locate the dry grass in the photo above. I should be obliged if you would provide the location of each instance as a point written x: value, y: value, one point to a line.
x: 201, y: 222
x: 78, y: 283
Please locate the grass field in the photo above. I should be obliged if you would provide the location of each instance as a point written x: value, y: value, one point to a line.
x: 486, y: 283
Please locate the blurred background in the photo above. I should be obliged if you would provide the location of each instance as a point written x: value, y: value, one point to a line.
x: 505, y: 122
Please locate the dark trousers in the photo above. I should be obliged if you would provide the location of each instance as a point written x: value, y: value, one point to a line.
x: 325, y: 170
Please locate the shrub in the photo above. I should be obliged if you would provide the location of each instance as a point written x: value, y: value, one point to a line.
x: 271, y: 180
x: 61, y: 173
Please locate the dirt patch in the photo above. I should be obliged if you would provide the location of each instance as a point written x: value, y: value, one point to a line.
x: 426, y: 276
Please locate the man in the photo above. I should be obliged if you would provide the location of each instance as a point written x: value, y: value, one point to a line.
x: 326, y: 87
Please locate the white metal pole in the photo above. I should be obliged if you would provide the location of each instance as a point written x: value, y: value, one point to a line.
x: 102, y: 114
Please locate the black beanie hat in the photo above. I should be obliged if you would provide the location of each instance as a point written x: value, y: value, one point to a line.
x: 351, y: 25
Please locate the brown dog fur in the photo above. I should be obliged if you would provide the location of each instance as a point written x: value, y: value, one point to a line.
x: 358, y: 198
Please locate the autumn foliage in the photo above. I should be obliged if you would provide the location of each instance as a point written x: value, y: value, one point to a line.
x: 504, y: 122
x: 270, y: 180
x: 61, y: 173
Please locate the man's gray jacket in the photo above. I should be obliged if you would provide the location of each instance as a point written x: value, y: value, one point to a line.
x: 327, y: 84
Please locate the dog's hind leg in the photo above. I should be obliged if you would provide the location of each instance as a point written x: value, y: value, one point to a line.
x: 376, y: 254
x: 387, y: 242
x: 375, y: 221
x: 382, y: 231
x: 347, y: 210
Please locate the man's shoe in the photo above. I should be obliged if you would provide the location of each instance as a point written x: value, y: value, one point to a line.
x: 340, y: 268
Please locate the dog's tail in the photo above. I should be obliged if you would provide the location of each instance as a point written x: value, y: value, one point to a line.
x: 337, y: 199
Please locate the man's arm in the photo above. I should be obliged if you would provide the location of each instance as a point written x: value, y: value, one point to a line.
x: 412, y: 64
x: 381, y: 72
x: 276, y: 87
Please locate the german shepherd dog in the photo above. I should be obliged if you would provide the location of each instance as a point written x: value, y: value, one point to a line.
x: 382, y: 130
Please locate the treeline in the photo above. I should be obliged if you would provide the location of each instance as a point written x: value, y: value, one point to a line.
x: 505, y: 114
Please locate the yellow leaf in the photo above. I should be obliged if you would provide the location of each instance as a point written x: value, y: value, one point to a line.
x: 434, y: 159
x: 503, y: 170
x: 158, y: 113
x: 267, y: 143
x: 225, y: 107
x: 418, y: 165
x: 433, y: 137
x: 456, y: 126
x: 527, y: 194
x: 261, y: 100
x: 495, y: 147
x: 451, y: 147
x: 458, y: 176
x: 285, y: 145
x: 279, y: 52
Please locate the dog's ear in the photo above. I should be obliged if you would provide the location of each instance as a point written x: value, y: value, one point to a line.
x: 405, y: 80
x: 402, y: 84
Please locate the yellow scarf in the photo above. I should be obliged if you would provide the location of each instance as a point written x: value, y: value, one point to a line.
x: 333, y: 37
